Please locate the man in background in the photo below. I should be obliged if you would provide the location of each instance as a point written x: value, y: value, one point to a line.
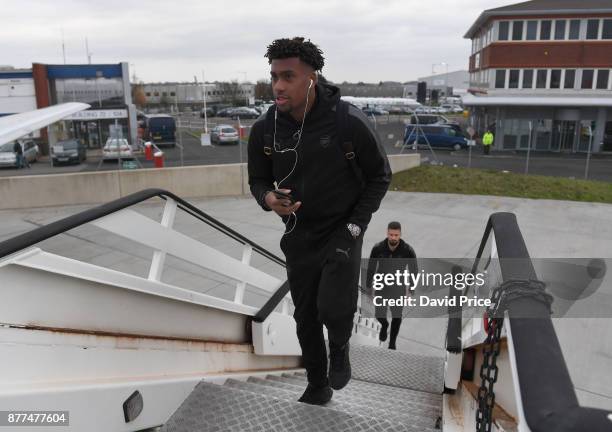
x: 388, y: 256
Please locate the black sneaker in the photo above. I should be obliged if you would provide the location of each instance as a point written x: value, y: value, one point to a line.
x: 382, y: 336
x: 316, y: 395
x: 339, y: 366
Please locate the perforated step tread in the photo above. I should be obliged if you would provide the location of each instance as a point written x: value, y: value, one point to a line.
x: 381, y: 392
x: 397, y: 369
x: 211, y: 407
x: 414, y: 418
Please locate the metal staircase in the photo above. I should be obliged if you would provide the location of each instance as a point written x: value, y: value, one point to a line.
x: 128, y: 350
x: 390, y: 391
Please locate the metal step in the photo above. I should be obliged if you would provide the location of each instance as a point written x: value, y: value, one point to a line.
x: 382, y: 392
x: 398, y: 369
x: 211, y: 407
x: 422, y: 401
x: 413, y: 417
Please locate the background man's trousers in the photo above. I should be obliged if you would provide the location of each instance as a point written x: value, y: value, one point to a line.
x: 323, y: 275
x: 396, y: 312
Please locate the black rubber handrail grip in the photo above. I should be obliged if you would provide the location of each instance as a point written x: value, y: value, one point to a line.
x: 547, y: 392
x: 30, y: 238
x: 453, y: 330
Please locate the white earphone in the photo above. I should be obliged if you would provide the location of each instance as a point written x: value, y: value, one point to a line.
x: 292, y: 149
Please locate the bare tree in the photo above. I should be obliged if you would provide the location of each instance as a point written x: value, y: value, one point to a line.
x: 263, y: 90
x: 231, y: 92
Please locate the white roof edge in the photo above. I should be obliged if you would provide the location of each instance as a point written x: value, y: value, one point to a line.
x: 472, y: 100
x: 491, y: 13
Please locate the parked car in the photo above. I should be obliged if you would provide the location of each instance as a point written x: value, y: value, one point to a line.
x: 244, y: 113
x: 117, y: 148
x: 224, y: 134
x: 425, y: 119
x: 209, y: 112
x: 450, y: 108
x: 224, y: 112
x: 68, y: 151
x: 438, y: 135
x: 8, y: 157
x: 377, y: 111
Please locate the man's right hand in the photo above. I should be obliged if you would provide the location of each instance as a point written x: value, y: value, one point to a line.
x: 281, y: 206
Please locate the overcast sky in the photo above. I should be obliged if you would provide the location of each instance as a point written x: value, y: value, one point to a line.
x: 362, y: 40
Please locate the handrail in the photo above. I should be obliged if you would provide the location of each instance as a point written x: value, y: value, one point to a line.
x: 37, y: 235
x: 546, y: 389
x: 453, y: 330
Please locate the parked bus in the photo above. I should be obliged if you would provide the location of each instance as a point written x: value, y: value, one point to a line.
x: 160, y: 129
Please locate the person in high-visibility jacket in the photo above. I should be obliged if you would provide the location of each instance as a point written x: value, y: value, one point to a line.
x: 487, y: 141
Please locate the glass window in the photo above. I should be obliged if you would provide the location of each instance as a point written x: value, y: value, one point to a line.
x: 528, y: 78
x: 607, y: 29
x: 514, y: 78
x: 545, y: 29
x: 592, y: 29
x: 574, y: 32
x: 477, y: 60
x: 503, y: 30
x: 555, y: 78
x: 587, y: 79
x: 532, y: 30
x: 517, y: 30
x: 500, y: 78
x: 559, y: 29
x: 602, y: 79
x: 570, y: 79
x: 541, y: 78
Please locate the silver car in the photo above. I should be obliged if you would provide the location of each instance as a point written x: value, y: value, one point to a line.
x: 117, y: 148
x: 224, y: 134
x: 8, y: 158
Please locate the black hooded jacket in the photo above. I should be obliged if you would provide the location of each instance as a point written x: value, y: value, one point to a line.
x: 384, y: 260
x: 323, y: 180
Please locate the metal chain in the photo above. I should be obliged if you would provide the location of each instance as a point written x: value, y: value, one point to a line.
x: 500, y: 299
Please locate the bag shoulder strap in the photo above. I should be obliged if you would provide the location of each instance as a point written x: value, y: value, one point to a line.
x: 269, y: 131
x: 342, y: 134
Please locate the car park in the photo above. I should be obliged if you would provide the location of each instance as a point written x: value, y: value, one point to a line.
x: 68, y: 151
x: 224, y: 134
x: 8, y: 157
x: 210, y: 112
x: 117, y: 148
x: 437, y: 135
x: 244, y: 113
x: 224, y: 112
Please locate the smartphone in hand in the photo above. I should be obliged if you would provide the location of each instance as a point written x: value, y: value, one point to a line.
x: 284, y: 195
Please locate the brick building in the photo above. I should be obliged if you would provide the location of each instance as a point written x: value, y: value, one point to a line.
x: 541, y: 72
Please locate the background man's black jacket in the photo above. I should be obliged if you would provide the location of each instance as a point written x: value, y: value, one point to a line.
x: 384, y: 260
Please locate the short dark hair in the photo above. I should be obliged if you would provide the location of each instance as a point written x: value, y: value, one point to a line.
x: 394, y: 226
x: 307, y: 52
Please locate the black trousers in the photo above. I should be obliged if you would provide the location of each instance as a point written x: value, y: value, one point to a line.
x: 396, y: 312
x: 323, y: 274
